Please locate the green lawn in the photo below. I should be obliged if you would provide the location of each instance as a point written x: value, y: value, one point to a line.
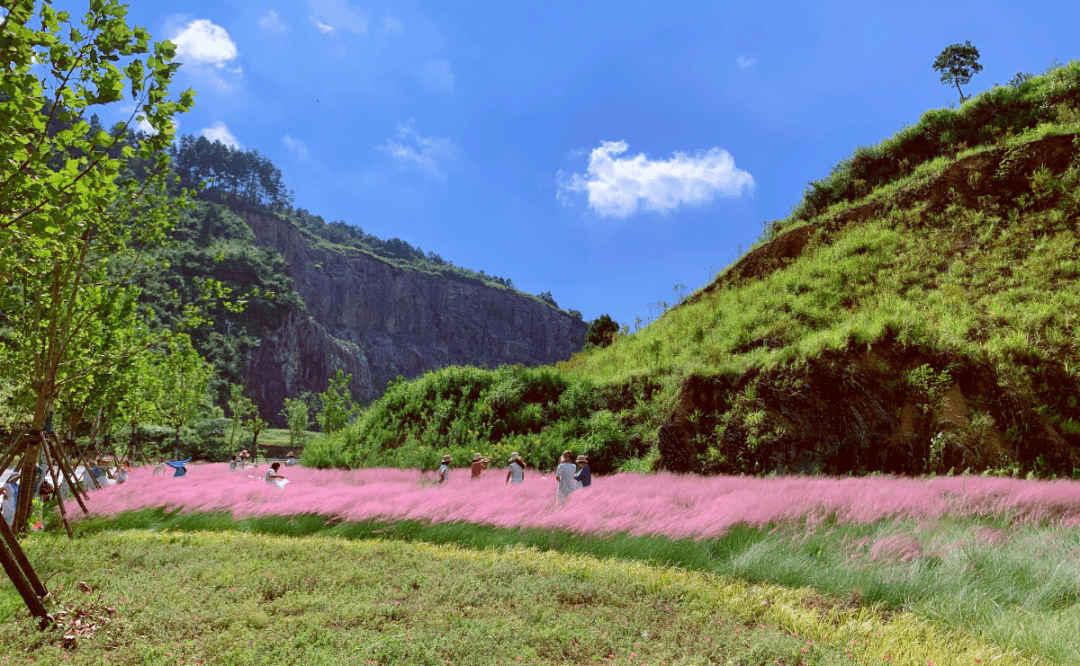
x: 229, y: 597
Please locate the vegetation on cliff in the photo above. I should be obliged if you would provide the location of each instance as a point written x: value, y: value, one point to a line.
x: 246, y: 180
x: 916, y: 313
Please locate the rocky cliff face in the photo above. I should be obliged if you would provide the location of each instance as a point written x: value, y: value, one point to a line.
x: 379, y: 320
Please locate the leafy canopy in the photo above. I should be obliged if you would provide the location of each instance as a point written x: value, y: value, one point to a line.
x: 74, y: 217
x: 957, y: 63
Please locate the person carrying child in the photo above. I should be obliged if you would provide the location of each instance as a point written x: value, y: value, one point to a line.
x: 515, y: 474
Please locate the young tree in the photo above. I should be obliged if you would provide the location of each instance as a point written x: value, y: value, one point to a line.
x: 957, y: 63
x: 257, y: 425
x: 240, y: 405
x: 296, y: 415
x: 185, y: 378
x: 602, y: 331
x: 73, y: 215
x: 337, y: 404
x: 139, y: 390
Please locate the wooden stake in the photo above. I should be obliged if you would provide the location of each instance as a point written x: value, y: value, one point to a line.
x: 8, y: 537
x: 22, y: 585
x: 60, y: 495
x: 69, y: 474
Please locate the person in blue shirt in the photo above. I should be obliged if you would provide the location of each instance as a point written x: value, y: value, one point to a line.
x: 583, y: 475
x: 444, y: 469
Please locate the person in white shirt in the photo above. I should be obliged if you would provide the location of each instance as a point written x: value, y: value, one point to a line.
x: 515, y: 474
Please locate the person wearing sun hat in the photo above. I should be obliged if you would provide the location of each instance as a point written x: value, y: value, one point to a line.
x: 444, y: 469
x: 583, y: 475
x: 479, y: 464
x: 564, y: 474
x: 516, y: 472
x: 12, y: 486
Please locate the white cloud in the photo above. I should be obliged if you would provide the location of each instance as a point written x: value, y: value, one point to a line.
x: 428, y: 154
x: 296, y: 145
x: 272, y: 23
x: 393, y: 26
x: 145, y: 126
x: 204, y: 43
x: 205, y: 49
x: 329, y: 15
x: 437, y: 75
x: 743, y: 63
x: 619, y: 187
x: 219, y: 132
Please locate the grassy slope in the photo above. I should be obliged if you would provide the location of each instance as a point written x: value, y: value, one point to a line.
x: 927, y: 286
x: 228, y: 598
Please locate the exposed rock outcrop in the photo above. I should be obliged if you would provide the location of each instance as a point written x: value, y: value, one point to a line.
x: 298, y: 356
x: 402, y: 321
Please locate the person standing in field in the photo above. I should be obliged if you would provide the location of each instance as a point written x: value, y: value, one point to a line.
x: 564, y: 474
x: 583, y: 475
x: 479, y: 464
x: 444, y: 469
x: 159, y: 468
x: 290, y: 459
x: 516, y: 472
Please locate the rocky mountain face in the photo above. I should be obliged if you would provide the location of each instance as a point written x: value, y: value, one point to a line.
x: 377, y: 320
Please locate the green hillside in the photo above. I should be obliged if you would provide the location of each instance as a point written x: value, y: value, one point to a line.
x: 915, y: 313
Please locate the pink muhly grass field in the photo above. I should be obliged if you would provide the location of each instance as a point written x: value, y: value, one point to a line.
x: 671, y: 505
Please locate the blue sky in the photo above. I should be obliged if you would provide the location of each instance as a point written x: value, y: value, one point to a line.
x: 606, y: 152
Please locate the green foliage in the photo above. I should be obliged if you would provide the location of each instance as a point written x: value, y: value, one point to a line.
x: 185, y: 378
x: 208, y: 440
x: 537, y: 412
x: 336, y: 405
x: 239, y: 406
x: 213, y: 245
x: 228, y: 175
x: 77, y: 200
x: 296, y: 415
x: 957, y: 63
x: 602, y: 331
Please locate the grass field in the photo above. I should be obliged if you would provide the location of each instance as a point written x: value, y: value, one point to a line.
x: 145, y: 597
x: 923, y: 570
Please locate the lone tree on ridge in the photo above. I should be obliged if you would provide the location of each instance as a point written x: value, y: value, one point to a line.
x: 957, y: 63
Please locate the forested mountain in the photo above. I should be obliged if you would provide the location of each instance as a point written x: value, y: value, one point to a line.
x: 261, y: 326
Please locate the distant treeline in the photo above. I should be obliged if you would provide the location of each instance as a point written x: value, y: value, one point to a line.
x: 228, y: 175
